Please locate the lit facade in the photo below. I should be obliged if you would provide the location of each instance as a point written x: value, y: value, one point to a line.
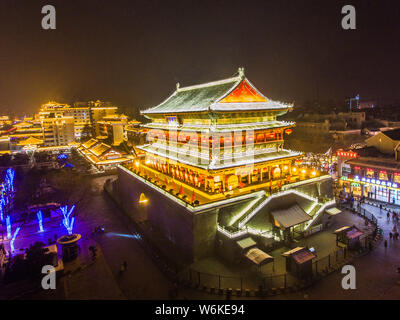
x: 80, y: 114
x: 214, y: 166
x: 233, y: 147
x: 373, y: 171
x: 58, y: 129
x: 112, y: 126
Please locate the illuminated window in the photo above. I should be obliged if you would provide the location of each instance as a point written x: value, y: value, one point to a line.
x: 172, y: 120
x: 276, y: 173
x: 383, y: 175
x: 370, y: 173
x: 396, y: 177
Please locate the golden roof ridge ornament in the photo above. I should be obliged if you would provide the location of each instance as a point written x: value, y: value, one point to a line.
x: 241, y: 72
x: 177, y: 86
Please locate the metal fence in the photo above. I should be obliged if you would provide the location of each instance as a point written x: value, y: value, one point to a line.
x: 257, y: 281
x: 368, y: 215
x: 329, y: 262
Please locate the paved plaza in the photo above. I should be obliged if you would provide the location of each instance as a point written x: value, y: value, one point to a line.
x: 143, y: 279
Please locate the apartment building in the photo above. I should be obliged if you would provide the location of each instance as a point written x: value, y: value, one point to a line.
x: 58, y: 130
x: 113, y: 126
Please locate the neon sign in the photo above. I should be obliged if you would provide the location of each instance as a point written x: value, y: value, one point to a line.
x: 348, y: 154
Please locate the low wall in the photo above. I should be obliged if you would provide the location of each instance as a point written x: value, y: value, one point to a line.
x: 192, y: 234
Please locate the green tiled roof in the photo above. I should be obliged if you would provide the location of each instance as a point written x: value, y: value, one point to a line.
x: 196, y: 98
x: 204, y: 97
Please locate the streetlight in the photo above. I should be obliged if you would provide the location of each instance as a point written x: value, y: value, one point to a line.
x: 357, y: 98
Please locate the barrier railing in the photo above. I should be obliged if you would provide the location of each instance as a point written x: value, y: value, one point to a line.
x: 285, y: 280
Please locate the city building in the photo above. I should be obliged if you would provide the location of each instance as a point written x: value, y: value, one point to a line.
x: 374, y: 170
x: 214, y: 171
x: 103, y: 156
x: 80, y: 113
x: 99, y: 110
x: 323, y: 123
x: 24, y: 132
x: 134, y: 134
x: 113, y: 127
x: 5, y: 120
x: 58, y: 129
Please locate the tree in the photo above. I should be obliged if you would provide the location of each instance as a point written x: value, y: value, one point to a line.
x: 36, y: 258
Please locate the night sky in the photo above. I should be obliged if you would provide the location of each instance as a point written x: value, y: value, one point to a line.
x: 133, y: 52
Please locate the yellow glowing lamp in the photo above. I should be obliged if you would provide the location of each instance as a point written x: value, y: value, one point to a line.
x: 314, y: 173
x: 303, y: 171
x: 137, y: 164
x: 294, y: 169
x: 142, y: 199
x: 285, y: 168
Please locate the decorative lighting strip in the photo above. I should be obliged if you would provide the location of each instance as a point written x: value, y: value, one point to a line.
x: 239, y: 233
x: 275, y: 195
x: 231, y: 235
x: 329, y: 203
x: 295, y: 184
x: 391, y: 185
x: 243, y: 211
x: 185, y: 204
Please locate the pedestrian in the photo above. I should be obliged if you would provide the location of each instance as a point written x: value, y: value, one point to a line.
x: 388, y: 215
x: 122, y: 269
x: 125, y: 265
x: 396, y: 235
x: 385, y: 243
x: 390, y: 235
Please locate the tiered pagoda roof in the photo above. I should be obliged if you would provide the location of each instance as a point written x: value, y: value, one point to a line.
x: 232, y: 95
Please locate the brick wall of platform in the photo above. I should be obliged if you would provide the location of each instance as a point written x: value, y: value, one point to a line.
x: 192, y: 234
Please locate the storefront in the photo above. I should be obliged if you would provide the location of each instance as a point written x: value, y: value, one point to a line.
x: 372, y: 189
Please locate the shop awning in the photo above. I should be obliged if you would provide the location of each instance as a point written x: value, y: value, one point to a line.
x: 246, y: 243
x: 351, y: 232
x: 290, y: 217
x: 341, y: 229
x: 354, y: 233
x: 258, y: 256
x: 333, y: 211
x: 300, y: 255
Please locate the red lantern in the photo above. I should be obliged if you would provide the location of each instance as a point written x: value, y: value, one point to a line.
x: 289, y: 131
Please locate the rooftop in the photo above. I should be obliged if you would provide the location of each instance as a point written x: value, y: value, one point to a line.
x: 232, y: 94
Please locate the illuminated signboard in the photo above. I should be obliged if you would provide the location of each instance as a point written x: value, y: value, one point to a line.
x: 348, y: 154
x: 172, y: 120
x: 378, y: 182
x: 366, y: 180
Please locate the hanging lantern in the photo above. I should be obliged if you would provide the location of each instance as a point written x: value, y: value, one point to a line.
x: 249, y: 138
x: 288, y: 131
x: 276, y: 172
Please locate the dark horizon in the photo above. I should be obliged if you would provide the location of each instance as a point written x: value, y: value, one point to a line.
x: 133, y: 52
